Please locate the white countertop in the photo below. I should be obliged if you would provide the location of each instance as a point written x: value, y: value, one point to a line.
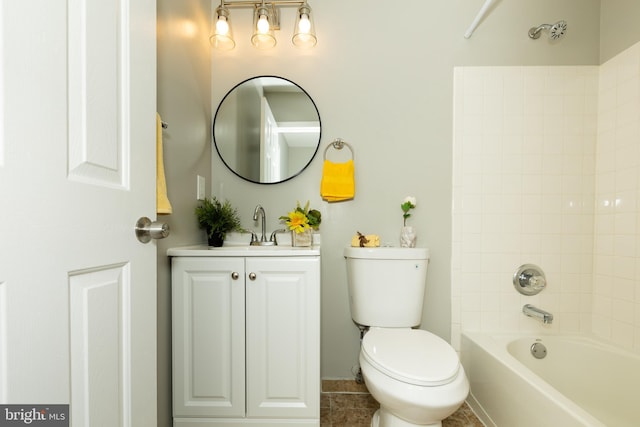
x: 243, y: 251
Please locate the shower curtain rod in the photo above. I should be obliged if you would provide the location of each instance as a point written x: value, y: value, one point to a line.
x: 479, y: 17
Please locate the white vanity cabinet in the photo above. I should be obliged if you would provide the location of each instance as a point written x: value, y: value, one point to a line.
x: 246, y: 340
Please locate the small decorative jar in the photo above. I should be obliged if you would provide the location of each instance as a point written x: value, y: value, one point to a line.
x: 408, y: 237
x: 303, y: 239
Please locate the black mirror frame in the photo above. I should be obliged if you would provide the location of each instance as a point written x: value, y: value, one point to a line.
x: 213, y: 127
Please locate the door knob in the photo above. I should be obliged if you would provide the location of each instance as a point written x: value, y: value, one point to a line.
x: 252, y: 276
x: 147, y: 230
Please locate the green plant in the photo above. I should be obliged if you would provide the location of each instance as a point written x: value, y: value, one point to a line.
x: 408, y: 203
x: 301, y: 219
x: 217, y: 218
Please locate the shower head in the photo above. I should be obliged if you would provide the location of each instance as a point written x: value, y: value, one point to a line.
x: 556, y: 31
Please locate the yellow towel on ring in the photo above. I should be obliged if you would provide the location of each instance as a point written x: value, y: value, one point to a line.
x: 163, y: 205
x: 338, y: 181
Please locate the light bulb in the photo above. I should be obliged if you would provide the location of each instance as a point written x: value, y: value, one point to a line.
x: 263, y: 24
x: 304, y: 25
x: 222, y: 26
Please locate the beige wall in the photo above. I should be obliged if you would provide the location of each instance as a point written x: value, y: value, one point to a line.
x: 184, y: 103
x: 619, y: 27
x: 389, y: 94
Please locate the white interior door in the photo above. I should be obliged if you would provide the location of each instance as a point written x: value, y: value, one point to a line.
x: 269, y: 144
x: 77, y: 169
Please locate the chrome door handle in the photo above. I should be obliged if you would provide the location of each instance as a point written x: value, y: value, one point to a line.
x: 252, y: 276
x: 147, y: 230
x: 235, y: 275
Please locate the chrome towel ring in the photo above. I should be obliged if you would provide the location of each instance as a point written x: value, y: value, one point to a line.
x: 339, y: 144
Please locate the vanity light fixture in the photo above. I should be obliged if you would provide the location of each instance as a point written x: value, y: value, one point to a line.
x: 222, y: 37
x: 304, y: 32
x: 266, y: 20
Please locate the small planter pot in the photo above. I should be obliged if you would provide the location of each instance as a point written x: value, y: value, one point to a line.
x: 303, y: 239
x: 216, y: 240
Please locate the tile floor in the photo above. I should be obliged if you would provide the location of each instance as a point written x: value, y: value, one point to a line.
x: 344, y: 403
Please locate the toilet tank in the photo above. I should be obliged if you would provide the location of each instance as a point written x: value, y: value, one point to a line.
x: 386, y: 285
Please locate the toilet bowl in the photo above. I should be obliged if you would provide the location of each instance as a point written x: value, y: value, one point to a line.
x: 415, y: 376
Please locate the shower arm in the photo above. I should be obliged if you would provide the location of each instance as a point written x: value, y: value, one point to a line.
x: 534, y: 32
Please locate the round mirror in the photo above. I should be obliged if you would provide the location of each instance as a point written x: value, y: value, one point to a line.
x: 267, y: 129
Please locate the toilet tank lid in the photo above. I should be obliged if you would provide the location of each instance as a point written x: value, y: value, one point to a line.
x: 414, y: 356
x: 385, y: 252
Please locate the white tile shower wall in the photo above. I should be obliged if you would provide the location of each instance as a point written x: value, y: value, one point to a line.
x: 616, y: 290
x: 524, y: 162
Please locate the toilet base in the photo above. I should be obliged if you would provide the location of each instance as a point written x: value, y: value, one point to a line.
x: 383, y: 418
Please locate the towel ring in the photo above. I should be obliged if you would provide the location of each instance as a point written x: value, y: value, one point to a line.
x: 339, y: 144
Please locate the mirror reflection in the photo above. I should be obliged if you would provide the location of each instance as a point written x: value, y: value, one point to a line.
x: 267, y: 129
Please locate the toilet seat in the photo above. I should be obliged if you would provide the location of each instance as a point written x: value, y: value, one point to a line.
x: 413, y: 356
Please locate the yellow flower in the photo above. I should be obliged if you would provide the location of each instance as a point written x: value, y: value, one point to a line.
x: 297, y: 221
x: 302, y: 219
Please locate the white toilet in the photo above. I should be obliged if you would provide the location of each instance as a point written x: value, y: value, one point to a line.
x: 415, y: 375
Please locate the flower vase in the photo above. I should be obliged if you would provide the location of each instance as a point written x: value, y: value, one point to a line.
x: 408, y: 237
x: 301, y: 239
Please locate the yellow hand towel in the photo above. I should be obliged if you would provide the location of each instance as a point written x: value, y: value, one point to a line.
x: 368, y: 241
x: 337, y: 182
x: 163, y: 206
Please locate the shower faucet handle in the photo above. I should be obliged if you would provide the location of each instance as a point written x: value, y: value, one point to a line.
x: 529, y: 279
x: 535, y: 282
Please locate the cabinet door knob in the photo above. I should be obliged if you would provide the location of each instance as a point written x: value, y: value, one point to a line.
x: 252, y: 276
x: 235, y: 275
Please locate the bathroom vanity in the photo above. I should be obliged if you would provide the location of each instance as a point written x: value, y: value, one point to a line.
x: 246, y: 336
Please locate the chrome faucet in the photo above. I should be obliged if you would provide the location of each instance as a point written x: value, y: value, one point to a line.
x: 260, y: 210
x: 544, y: 316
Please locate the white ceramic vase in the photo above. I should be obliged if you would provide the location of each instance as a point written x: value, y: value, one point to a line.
x: 408, y: 237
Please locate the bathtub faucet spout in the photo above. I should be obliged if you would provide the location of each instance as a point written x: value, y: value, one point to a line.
x: 544, y: 316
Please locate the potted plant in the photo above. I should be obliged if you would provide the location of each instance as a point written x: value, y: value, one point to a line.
x: 301, y: 221
x: 217, y: 219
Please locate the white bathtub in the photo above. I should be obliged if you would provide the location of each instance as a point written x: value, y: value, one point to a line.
x: 580, y: 382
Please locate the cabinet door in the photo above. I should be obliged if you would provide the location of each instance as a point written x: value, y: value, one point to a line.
x: 283, y: 337
x: 208, y: 337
